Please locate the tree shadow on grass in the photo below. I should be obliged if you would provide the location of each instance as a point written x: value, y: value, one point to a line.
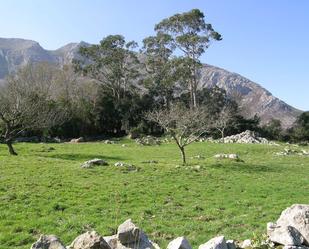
x: 245, y: 168
x: 80, y: 157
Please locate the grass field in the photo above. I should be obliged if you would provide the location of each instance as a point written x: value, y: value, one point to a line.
x: 44, y: 191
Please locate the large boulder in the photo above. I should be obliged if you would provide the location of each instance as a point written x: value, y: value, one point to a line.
x: 89, y: 240
x: 179, y: 243
x: 48, y: 242
x: 215, y: 243
x: 297, y: 217
x: 284, y: 235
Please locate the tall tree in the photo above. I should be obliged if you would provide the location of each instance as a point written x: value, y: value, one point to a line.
x: 192, y: 36
x: 113, y: 63
x: 161, y: 80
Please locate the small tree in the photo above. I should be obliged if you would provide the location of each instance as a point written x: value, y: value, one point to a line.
x: 26, y: 103
x: 223, y: 120
x: 183, y: 124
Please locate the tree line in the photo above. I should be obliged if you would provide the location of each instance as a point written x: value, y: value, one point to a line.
x: 118, y: 89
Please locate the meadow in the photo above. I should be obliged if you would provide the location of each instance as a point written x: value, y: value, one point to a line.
x: 44, y: 190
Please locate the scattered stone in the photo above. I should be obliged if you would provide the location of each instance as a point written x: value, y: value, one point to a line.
x: 149, y: 140
x: 48, y: 242
x: 289, y: 151
x: 109, y: 142
x: 89, y: 240
x: 94, y: 162
x: 122, y: 164
x: 246, y: 243
x: 179, y: 243
x: 123, y: 145
x: 295, y: 247
x: 77, y: 140
x: 198, y: 157
x: 215, y: 243
x: 228, y: 156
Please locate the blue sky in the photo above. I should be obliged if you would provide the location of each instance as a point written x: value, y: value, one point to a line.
x: 265, y: 40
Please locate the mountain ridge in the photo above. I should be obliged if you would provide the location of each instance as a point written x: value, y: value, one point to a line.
x: 16, y: 52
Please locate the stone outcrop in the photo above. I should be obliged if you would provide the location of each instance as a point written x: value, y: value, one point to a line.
x: 215, y: 243
x: 246, y: 137
x: 179, y: 243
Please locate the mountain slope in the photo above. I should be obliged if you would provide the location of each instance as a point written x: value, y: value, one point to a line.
x: 15, y: 53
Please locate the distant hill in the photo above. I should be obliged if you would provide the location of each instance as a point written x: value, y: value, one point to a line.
x: 15, y: 53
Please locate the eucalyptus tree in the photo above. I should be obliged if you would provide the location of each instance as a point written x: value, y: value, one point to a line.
x: 161, y: 76
x: 113, y: 63
x: 191, y: 35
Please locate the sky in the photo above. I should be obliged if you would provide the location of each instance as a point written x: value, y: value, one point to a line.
x: 266, y: 41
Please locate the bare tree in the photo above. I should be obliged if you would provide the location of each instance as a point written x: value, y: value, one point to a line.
x: 27, y: 103
x: 223, y: 119
x: 183, y: 124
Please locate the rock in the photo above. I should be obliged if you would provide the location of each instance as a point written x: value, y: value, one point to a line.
x: 246, y: 137
x: 246, y: 243
x: 284, y: 235
x: 109, y: 142
x: 149, y: 140
x: 228, y: 156
x: 179, y: 243
x: 128, y: 232
x: 231, y: 244
x: 48, y: 242
x: 112, y: 241
x: 94, y: 162
x: 233, y: 156
x: 89, y: 240
x: 295, y: 247
x: 77, y: 140
x: 215, y: 243
x: 296, y: 216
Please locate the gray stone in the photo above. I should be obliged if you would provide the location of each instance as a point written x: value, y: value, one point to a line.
x: 112, y: 241
x: 231, y: 244
x: 94, y: 162
x: 179, y: 243
x: 48, y: 242
x: 296, y: 216
x: 89, y: 240
x: 215, y: 243
x: 284, y: 235
x: 128, y: 232
x: 246, y: 243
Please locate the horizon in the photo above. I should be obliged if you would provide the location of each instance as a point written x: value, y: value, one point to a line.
x: 278, y: 65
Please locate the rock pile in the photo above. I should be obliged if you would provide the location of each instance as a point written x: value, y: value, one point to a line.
x: 291, y: 231
x: 149, y: 140
x: 246, y: 137
x: 289, y: 151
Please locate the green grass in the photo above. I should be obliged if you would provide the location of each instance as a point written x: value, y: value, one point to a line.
x: 48, y: 192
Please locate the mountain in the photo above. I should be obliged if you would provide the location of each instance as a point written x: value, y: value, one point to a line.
x: 14, y: 53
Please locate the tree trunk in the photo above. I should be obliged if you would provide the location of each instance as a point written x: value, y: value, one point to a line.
x: 222, y: 135
x: 183, y: 155
x: 11, y: 149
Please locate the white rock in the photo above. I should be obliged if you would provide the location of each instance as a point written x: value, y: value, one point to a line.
x: 215, y: 243
x: 246, y: 243
x: 48, y: 242
x: 128, y: 232
x: 179, y: 243
x: 89, y: 240
x: 285, y: 235
x: 296, y: 216
x: 94, y: 162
